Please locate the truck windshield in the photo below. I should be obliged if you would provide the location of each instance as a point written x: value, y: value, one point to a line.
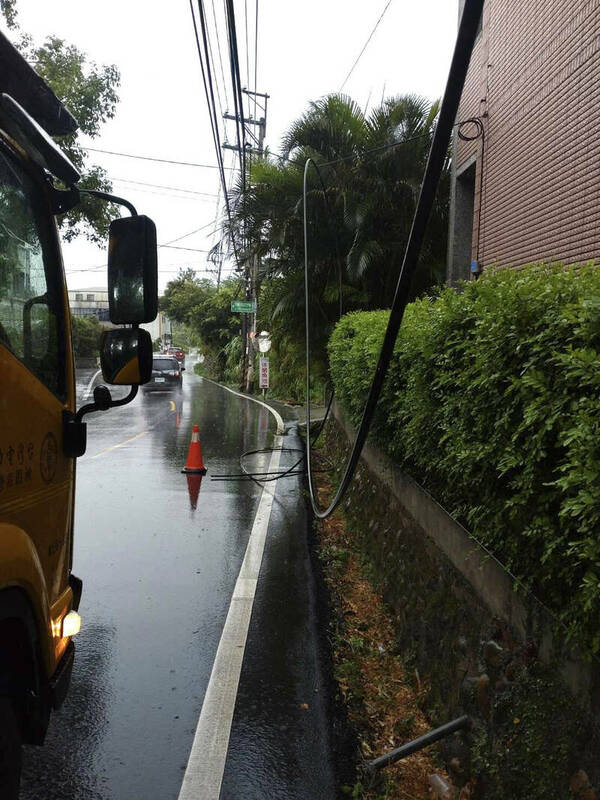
x: 31, y: 324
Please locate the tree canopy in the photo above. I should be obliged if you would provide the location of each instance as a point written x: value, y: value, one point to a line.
x: 89, y: 91
x: 358, y: 224
x: 206, y: 310
x: 85, y: 335
x: 359, y: 221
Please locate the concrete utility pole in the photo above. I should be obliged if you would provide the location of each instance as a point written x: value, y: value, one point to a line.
x: 251, y: 275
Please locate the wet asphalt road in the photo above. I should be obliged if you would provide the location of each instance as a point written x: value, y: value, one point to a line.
x: 158, y: 579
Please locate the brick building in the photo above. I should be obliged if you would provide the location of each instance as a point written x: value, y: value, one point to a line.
x: 526, y: 182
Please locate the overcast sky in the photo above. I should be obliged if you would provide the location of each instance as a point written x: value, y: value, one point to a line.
x: 305, y: 51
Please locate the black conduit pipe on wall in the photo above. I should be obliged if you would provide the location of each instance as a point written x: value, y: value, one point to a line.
x: 467, y: 34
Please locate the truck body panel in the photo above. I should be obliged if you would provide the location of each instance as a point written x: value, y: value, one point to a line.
x: 37, y: 481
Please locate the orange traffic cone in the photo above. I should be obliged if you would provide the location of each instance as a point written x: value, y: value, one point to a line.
x: 194, y: 463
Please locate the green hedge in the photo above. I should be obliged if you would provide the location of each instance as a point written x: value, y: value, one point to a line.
x: 493, y: 404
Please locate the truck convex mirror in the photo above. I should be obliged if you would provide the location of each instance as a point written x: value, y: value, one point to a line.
x: 126, y: 356
x: 132, y: 271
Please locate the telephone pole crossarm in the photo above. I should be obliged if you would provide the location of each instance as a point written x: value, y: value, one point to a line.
x: 246, y: 120
x: 256, y: 94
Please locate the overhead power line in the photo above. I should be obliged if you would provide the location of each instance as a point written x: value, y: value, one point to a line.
x: 172, y: 194
x: 207, y: 78
x: 219, y: 52
x: 379, y: 149
x: 366, y: 44
x: 191, y: 233
x: 214, y: 73
x: 167, y: 268
x: 205, y: 67
x: 190, y: 249
x: 238, y: 100
x: 255, y: 56
x: 168, y: 245
x: 247, y: 48
x: 152, y: 158
x: 161, y: 186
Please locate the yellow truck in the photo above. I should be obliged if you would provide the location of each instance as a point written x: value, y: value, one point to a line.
x: 41, y: 430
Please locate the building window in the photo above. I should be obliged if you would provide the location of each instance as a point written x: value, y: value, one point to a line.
x: 78, y: 297
x: 462, y: 235
x: 89, y: 297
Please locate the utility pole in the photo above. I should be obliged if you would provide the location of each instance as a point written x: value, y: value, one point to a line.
x: 251, y: 272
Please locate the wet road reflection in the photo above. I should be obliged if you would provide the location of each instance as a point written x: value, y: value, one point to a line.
x: 85, y: 717
x: 158, y: 577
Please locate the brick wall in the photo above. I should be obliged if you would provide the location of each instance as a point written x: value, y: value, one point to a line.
x: 535, y: 70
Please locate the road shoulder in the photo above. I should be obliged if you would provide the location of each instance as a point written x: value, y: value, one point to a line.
x: 281, y: 737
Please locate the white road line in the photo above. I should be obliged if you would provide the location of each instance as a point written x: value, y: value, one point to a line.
x: 88, y: 391
x: 204, y: 771
x: 276, y: 414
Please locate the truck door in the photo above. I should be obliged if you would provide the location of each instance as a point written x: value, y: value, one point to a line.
x: 36, y: 378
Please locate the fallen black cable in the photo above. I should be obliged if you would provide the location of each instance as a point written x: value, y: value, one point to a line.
x: 467, y: 33
x: 418, y: 744
x: 255, y: 476
x: 283, y: 473
x: 273, y: 475
x: 429, y: 738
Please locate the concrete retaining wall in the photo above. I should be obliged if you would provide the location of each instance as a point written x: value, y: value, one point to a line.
x: 481, y: 644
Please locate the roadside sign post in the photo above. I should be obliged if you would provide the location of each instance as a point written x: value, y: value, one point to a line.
x: 263, y: 380
x: 243, y: 306
x: 263, y: 341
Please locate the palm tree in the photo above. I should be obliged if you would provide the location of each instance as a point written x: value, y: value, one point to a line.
x: 358, y: 228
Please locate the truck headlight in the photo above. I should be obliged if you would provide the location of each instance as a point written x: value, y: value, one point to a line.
x: 69, y: 625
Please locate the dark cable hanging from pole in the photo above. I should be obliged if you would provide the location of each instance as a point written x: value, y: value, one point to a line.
x: 467, y: 33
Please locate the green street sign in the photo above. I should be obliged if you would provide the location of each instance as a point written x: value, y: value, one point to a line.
x: 244, y: 306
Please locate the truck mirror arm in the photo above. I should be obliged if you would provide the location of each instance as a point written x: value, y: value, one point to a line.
x: 111, y: 198
x: 75, y: 431
x: 103, y: 401
x: 63, y: 200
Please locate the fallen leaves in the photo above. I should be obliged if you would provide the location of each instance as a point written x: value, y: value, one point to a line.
x: 383, y: 706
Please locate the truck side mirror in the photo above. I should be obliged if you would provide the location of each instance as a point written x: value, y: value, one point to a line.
x: 126, y: 356
x: 132, y: 271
